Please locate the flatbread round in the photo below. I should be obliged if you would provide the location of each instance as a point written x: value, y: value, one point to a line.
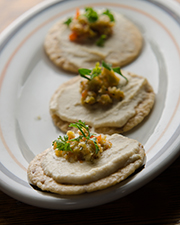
x: 37, y: 176
x: 118, y: 118
x: 121, y: 48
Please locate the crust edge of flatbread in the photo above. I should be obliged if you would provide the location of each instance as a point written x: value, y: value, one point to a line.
x: 38, y: 178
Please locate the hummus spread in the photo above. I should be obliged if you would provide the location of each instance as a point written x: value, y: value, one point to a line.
x: 66, y: 104
x: 122, y: 152
x: 121, y: 48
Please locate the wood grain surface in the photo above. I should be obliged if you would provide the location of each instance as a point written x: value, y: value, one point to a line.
x: 158, y: 202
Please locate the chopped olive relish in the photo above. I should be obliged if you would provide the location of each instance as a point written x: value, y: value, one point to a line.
x: 85, y: 147
x: 101, y: 85
x: 91, y: 25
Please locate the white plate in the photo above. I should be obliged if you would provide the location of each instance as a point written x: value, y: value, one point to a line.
x: 28, y: 80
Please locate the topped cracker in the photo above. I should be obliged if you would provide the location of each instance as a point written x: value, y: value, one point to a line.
x: 122, y: 45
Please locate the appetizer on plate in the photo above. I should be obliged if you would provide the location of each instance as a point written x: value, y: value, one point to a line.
x: 108, y: 100
x: 82, y: 161
x: 92, y: 36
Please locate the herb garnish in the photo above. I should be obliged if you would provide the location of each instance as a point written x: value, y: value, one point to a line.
x: 80, y: 125
x: 116, y: 69
x: 90, y: 74
x: 68, y: 21
x: 109, y: 14
x: 63, y: 144
x: 106, y: 65
x: 91, y: 15
x: 101, y: 40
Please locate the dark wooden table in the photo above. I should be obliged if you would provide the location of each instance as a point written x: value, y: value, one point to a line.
x: 158, y: 202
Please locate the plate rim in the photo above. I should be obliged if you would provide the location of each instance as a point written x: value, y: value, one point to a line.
x: 6, y: 36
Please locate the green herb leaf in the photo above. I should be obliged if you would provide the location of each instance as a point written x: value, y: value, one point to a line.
x: 90, y: 74
x: 85, y: 73
x: 77, y: 138
x: 96, y: 71
x: 108, y: 13
x: 68, y: 21
x: 118, y: 70
x: 91, y: 15
x: 101, y: 40
x: 94, y: 139
x: 95, y: 74
x: 80, y: 125
x: 107, y: 65
x: 62, y: 143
